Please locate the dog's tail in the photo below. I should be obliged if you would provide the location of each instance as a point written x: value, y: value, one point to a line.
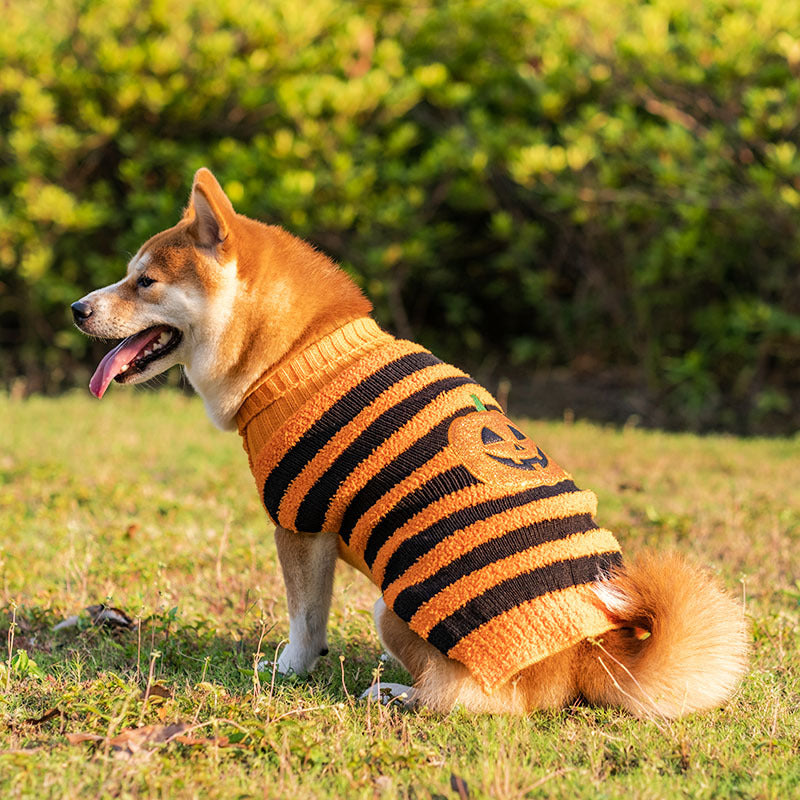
x: 683, y: 646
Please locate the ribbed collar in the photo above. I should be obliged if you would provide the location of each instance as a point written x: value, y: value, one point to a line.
x: 286, y: 388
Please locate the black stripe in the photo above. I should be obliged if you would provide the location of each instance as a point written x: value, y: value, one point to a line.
x: 441, y: 485
x: 326, y: 427
x: 394, y: 473
x: 314, y: 508
x: 408, y: 601
x: 518, y: 590
x: 408, y: 552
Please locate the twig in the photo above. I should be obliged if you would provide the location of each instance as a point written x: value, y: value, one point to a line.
x: 153, y: 656
x: 11, y: 630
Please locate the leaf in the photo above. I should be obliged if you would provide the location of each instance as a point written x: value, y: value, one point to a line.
x: 102, y: 614
x: 134, y: 739
x: 53, y: 712
x: 459, y: 786
x: 78, y: 738
x: 156, y: 690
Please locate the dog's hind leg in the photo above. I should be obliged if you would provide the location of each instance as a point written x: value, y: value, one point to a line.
x: 440, y: 683
x: 307, y: 562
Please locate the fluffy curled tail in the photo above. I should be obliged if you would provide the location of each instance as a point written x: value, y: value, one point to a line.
x: 683, y: 646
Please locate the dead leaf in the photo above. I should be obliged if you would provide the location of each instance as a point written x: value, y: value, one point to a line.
x: 53, y: 712
x: 156, y: 690
x: 102, y: 614
x: 459, y: 786
x: 78, y: 738
x: 133, y: 739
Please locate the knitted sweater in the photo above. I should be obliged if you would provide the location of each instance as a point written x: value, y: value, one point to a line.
x: 477, y: 539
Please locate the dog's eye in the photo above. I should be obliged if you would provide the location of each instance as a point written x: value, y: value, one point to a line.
x: 144, y: 281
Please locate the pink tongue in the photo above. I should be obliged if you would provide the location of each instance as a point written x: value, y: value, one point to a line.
x: 121, y: 355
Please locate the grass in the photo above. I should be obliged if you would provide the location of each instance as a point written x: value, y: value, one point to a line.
x: 139, y: 503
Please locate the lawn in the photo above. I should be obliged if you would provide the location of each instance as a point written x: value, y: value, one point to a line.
x: 138, y: 503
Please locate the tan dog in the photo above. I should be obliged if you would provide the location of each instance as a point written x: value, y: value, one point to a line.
x: 240, y: 305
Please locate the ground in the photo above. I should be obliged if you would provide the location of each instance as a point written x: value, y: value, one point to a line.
x: 138, y: 503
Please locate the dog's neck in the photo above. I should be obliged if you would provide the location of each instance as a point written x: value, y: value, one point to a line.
x: 283, y: 390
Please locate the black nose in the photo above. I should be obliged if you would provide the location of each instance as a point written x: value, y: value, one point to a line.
x: 81, y: 311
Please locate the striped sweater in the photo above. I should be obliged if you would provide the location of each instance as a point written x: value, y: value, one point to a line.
x: 476, y: 538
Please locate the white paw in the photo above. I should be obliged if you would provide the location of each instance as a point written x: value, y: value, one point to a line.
x: 385, y: 693
x: 292, y: 661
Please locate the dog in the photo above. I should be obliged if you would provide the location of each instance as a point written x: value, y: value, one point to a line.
x: 499, y: 591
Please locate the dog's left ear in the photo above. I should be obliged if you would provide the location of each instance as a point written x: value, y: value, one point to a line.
x: 210, y: 210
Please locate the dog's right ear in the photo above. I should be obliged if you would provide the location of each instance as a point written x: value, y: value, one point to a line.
x: 210, y: 211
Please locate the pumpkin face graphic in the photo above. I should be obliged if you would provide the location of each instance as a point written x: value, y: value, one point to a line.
x: 497, y: 452
x: 512, y: 448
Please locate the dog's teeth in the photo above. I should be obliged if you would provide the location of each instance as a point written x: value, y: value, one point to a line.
x: 164, y: 338
x: 125, y: 368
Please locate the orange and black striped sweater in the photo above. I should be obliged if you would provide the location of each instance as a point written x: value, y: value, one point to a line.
x: 476, y: 538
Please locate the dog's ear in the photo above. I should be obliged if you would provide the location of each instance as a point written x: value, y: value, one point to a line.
x: 209, y: 210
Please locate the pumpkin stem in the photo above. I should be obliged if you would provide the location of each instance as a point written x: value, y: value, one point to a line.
x: 478, y: 404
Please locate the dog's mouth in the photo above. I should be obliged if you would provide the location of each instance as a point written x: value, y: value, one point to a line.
x: 132, y: 355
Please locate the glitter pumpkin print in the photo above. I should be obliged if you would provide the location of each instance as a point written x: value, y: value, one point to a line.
x: 497, y: 452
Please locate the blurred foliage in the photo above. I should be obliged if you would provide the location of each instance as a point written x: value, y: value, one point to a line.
x: 589, y: 183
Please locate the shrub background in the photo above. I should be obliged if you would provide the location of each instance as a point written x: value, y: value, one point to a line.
x: 593, y: 184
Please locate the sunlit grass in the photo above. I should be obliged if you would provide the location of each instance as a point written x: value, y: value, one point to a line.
x: 140, y: 503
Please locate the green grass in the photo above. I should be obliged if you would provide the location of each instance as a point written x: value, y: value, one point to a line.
x: 138, y: 502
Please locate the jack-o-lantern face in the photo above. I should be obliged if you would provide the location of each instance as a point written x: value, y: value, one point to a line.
x: 512, y: 447
x: 497, y: 452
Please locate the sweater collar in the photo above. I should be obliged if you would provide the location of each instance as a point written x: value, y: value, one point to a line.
x: 284, y: 389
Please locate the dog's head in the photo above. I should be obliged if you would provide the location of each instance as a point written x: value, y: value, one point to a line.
x: 163, y: 308
x: 222, y: 294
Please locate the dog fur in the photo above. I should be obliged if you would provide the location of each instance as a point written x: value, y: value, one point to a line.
x: 231, y: 298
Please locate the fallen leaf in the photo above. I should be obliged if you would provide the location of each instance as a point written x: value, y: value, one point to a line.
x: 134, y: 739
x: 78, y: 738
x: 53, y: 712
x: 156, y: 690
x: 102, y: 614
x: 459, y: 786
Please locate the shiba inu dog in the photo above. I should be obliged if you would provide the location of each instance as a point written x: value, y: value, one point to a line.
x: 499, y: 591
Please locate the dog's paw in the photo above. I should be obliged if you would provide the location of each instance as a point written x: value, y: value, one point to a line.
x: 294, y: 660
x: 386, y: 693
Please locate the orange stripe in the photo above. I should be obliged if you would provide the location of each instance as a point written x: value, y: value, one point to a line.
x: 312, y: 472
x: 321, y: 402
x: 471, y: 586
x: 395, y: 446
x: 363, y: 528
x: 433, y: 513
x: 461, y: 542
x: 502, y: 647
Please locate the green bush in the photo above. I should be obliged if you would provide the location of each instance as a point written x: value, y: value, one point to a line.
x: 607, y: 184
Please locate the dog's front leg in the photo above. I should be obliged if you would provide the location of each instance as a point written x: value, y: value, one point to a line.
x: 308, y: 562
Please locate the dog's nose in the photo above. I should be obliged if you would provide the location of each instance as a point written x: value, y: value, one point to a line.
x: 81, y: 311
